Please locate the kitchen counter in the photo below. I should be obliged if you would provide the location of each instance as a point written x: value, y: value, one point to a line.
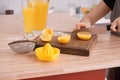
x: 105, y: 54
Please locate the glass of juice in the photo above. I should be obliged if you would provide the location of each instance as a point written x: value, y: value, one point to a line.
x: 40, y: 14
x: 28, y: 17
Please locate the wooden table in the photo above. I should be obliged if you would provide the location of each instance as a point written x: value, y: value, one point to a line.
x: 105, y: 54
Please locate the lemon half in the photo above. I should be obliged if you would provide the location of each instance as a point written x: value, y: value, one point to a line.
x: 48, y: 30
x: 84, y: 35
x: 64, y: 38
x: 46, y: 37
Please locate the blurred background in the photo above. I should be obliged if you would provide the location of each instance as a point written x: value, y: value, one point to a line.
x: 77, y: 8
x: 57, y: 5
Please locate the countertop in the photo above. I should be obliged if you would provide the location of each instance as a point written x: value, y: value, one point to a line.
x: 105, y: 53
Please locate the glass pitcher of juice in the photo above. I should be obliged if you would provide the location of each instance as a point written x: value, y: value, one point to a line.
x: 40, y: 14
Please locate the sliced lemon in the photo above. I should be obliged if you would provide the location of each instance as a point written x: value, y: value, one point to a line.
x: 48, y: 30
x: 84, y: 35
x: 46, y: 37
x: 64, y: 38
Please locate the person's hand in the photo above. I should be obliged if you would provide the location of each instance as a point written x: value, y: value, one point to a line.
x: 80, y: 25
x: 115, y: 23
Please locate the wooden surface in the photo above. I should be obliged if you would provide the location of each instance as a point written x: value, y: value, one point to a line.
x: 75, y: 46
x: 105, y: 53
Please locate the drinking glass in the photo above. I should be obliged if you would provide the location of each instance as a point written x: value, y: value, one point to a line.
x: 28, y: 17
x: 40, y: 14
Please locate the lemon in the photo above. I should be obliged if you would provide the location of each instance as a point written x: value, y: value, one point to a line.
x: 47, y: 53
x: 64, y: 38
x: 48, y: 30
x: 84, y: 35
x: 46, y: 37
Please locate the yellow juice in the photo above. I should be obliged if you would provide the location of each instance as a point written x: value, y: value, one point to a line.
x: 40, y: 15
x: 28, y: 14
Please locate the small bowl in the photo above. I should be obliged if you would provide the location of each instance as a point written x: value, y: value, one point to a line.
x: 22, y: 46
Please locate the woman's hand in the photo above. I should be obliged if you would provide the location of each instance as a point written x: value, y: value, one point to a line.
x: 115, y: 23
x: 95, y: 14
x: 80, y: 25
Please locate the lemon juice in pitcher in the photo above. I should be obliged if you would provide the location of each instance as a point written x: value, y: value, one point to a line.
x: 40, y: 14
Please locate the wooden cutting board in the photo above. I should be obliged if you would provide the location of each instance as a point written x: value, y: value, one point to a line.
x: 75, y: 46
